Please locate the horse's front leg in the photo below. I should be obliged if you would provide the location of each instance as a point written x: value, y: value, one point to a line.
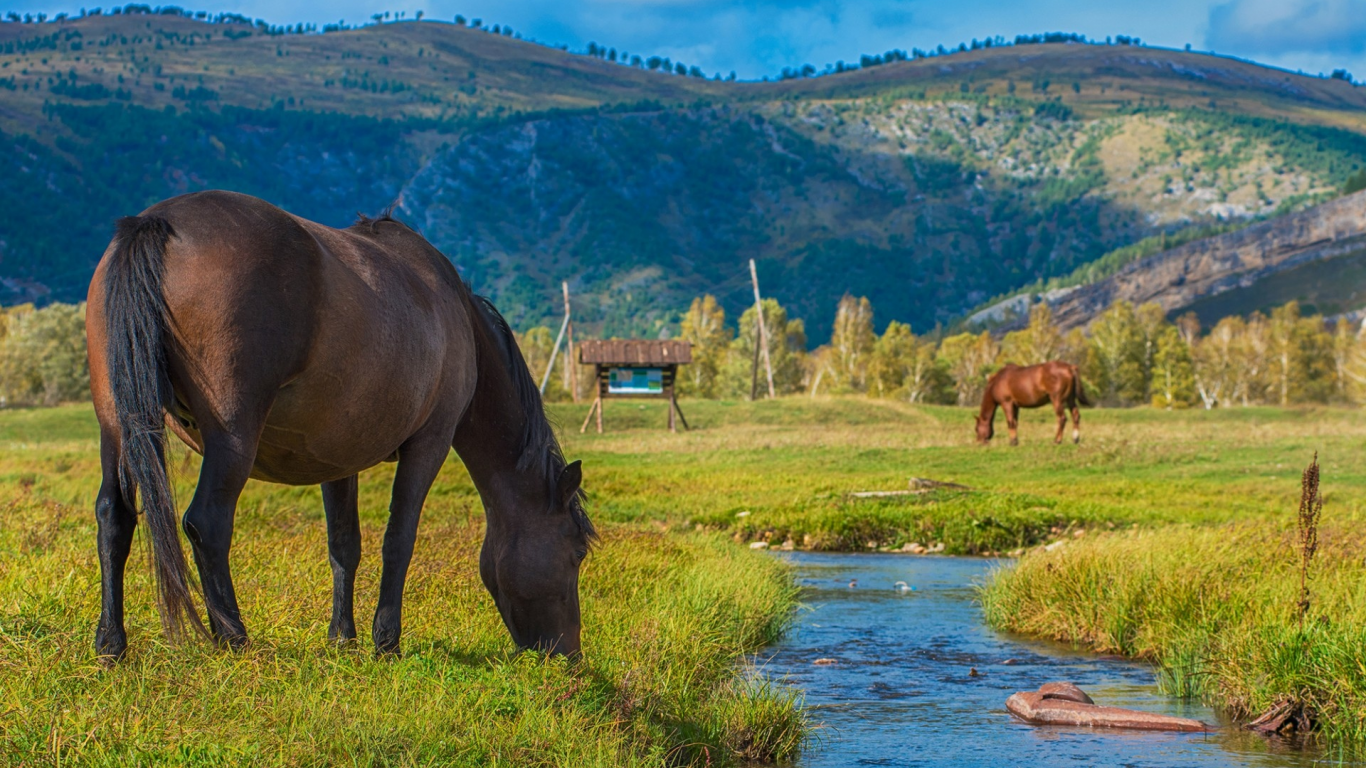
x: 419, y: 461
x: 1013, y: 422
x: 208, y: 524
x: 340, y: 502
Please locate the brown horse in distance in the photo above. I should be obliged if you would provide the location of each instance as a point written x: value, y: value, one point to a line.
x: 288, y: 351
x: 1014, y: 387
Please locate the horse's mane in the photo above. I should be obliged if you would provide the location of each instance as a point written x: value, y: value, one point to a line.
x: 387, y: 215
x: 538, y: 443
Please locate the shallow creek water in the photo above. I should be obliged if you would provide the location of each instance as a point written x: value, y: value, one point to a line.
x: 901, y: 693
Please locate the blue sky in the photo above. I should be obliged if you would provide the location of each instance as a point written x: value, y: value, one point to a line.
x: 758, y: 37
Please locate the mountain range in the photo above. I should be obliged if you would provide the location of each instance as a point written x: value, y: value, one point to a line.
x: 929, y: 184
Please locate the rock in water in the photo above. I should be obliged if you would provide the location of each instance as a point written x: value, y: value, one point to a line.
x: 1066, y: 692
x: 1066, y: 704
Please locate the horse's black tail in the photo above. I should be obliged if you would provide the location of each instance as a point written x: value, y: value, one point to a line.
x: 1081, y: 392
x: 135, y: 326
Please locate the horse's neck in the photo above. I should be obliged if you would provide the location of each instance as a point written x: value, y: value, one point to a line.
x: 489, y: 439
x: 988, y: 404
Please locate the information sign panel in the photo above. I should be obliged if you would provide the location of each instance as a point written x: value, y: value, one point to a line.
x: 636, y: 381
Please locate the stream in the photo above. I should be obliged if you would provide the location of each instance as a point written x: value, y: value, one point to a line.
x: 900, y: 690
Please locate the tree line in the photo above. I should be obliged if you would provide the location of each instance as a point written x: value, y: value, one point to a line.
x: 1128, y: 356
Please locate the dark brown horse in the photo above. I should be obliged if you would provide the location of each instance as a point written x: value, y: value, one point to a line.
x: 288, y: 351
x: 1014, y: 388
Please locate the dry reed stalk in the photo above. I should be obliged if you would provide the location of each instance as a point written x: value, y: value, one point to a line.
x: 1311, y: 508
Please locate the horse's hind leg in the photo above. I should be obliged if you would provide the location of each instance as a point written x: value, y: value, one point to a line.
x: 1061, y: 412
x: 116, y: 521
x: 208, y: 524
x: 343, y: 548
x: 419, y: 461
x: 1076, y: 423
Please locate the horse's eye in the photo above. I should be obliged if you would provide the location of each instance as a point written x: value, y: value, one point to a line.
x: 580, y: 555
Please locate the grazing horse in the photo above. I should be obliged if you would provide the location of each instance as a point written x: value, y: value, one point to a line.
x: 288, y: 351
x: 1014, y: 388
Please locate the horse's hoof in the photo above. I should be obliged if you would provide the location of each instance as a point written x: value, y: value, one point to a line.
x: 386, y: 642
x: 342, y: 635
x: 109, y: 657
x: 235, y: 642
x: 110, y: 647
x: 1014, y: 441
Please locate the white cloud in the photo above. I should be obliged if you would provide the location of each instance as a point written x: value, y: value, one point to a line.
x: 1289, y: 26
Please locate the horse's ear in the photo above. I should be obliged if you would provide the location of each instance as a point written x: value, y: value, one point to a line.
x: 567, y: 485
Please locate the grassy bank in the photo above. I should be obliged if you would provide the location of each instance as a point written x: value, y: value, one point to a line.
x: 668, y: 616
x: 1215, y: 608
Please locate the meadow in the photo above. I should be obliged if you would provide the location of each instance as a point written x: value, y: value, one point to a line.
x: 670, y: 619
x: 793, y: 465
x: 1176, y: 531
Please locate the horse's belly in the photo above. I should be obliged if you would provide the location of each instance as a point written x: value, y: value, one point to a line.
x: 317, y: 434
x: 287, y: 465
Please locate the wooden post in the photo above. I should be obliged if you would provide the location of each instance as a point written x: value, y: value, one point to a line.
x: 763, y: 331
x: 674, y: 403
x: 571, y: 370
x: 597, y: 403
x: 550, y: 366
x: 672, y: 428
x: 601, y: 381
x: 754, y: 368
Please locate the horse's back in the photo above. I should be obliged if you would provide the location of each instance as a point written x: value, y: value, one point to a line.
x: 1034, y: 385
x: 331, y: 343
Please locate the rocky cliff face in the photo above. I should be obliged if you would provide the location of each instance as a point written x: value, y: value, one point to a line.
x: 1250, y: 261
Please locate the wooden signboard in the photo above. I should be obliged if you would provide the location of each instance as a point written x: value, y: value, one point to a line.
x: 635, y: 368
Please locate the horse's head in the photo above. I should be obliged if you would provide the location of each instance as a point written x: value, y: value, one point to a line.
x: 538, y: 533
x: 984, y: 429
x: 532, y: 568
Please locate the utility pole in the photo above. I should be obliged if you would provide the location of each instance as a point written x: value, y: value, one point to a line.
x: 571, y: 378
x: 550, y: 366
x: 763, y: 334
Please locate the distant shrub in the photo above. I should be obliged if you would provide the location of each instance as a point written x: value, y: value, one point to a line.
x: 1355, y: 183
x: 1055, y: 110
x: 198, y: 93
x: 87, y: 92
x: 42, y: 355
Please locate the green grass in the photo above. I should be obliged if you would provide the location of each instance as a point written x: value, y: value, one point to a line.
x: 669, y: 619
x: 1184, y: 560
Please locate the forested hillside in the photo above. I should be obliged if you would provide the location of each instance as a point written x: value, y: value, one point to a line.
x: 928, y: 183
